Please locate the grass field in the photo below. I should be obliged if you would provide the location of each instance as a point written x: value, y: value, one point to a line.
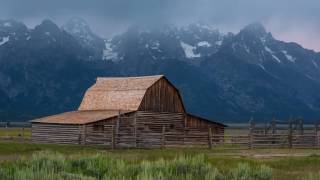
x: 285, y: 163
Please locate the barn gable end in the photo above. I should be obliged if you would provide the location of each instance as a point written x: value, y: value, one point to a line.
x: 162, y: 96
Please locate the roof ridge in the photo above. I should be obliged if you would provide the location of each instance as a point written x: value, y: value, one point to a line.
x: 132, y: 77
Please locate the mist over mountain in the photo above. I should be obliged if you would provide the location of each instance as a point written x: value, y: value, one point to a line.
x: 227, y: 77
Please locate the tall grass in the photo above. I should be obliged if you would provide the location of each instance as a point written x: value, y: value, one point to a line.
x: 54, y: 166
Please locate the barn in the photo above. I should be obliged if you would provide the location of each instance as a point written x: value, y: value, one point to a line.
x: 141, y: 112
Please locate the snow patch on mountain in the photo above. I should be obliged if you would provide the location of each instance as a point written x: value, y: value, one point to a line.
x: 204, y: 44
x: 272, y: 54
x: 7, y: 24
x: 262, y: 67
x: 315, y: 64
x: 108, y: 52
x: 218, y: 43
x: 4, y: 40
x: 288, y: 56
x: 189, y: 50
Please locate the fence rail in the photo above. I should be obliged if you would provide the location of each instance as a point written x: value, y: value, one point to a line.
x: 166, y: 137
x: 201, y: 138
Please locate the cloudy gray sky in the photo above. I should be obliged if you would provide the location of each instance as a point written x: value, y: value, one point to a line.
x: 289, y: 20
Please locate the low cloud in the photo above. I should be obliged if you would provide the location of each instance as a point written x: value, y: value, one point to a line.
x: 290, y: 20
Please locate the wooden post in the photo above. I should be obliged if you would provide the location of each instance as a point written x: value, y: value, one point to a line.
x: 163, y: 136
x: 210, y: 137
x: 251, y: 129
x: 184, y: 130
x: 290, y: 133
x: 317, y: 135
x: 118, y: 121
x: 79, y: 135
x: 301, y: 126
x: 113, y: 137
x: 84, y: 134
x: 135, y: 129
x: 265, y: 128
x: 273, y: 126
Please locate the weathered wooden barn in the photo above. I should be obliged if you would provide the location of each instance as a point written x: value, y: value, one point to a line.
x: 128, y: 112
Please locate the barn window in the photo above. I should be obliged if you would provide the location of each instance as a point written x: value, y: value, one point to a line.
x: 171, y: 126
x: 98, y: 128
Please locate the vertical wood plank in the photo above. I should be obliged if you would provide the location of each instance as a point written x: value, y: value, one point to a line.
x: 113, y: 137
x: 210, y: 137
x: 317, y: 135
x: 79, y: 135
x: 163, y: 137
x: 290, y: 133
x: 84, y: 134
x: 135, y: 129
x: 251, y: 128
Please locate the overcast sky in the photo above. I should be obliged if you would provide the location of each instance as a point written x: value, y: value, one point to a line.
x: 289, y: 20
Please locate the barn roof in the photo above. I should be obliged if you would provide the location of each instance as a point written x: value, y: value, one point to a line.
x: 124, y: 93
x: 205, y: 119
x: 79, y: 117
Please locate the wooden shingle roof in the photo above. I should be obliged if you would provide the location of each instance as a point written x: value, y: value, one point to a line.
x: 79, y: 117
x: 119, y: 93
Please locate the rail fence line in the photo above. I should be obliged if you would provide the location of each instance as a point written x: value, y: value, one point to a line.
x: 294, y: 136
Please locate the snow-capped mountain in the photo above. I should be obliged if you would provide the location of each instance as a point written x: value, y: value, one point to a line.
x: 46, y: 69
x: 80, y: 29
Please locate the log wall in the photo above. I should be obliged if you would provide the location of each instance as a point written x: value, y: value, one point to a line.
x: 139, y: 129
x: 55, y: 133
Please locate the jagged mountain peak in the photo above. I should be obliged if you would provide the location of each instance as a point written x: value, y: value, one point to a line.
x: 12, y: 25
x: 77, y: 26
x: 256, y: 30
x: 255, y: 27
x: 82, y: 32
x: 201, y: 26
x: 48, y: 27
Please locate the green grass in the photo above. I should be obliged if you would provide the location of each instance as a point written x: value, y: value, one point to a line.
x: 15, y: 132
x: 53, y: 165
x: 291, y: 167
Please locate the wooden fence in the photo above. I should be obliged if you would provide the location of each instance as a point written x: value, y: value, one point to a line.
x: 130, y: 136
x: 193, y: 137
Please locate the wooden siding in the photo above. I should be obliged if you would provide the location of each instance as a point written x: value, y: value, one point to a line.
x: 56, y: 133
x: 162, y: 97
x: 141, y: 129
x: 151, y: 125
x: 203, y: 125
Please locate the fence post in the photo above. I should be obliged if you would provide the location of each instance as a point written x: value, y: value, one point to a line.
x: 79, y: 135
x: 135, y: 130
x: 273, y: 126
x: 301, y: 126
x: 113, y: 137
x: 210, y: 137
x: 163, y: 136
x: 290, y: 133
x: 84, y: 134
x: 251, y: 128
x: 317, y: 135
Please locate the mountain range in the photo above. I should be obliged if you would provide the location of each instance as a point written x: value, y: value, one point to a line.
x: 227, y: 77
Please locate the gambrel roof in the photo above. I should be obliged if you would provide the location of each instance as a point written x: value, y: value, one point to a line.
x: 119, y: 93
